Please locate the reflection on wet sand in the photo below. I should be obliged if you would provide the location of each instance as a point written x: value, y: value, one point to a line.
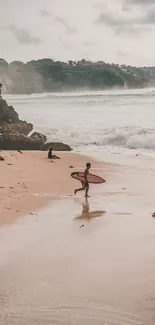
x: 86, y: 214
x: 53, y: 273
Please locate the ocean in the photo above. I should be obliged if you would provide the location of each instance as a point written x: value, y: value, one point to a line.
x: 119, y: 121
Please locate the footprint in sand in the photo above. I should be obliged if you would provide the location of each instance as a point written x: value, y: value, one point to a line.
x: 24, y: 185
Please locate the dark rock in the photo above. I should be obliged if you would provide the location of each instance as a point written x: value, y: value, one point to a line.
x: 1, y: 158
x: 14, y: 133
x: 0, y: 89
x: 21, y: 127
x: 7, y: 113
x: 15, y: 141
x: 56, y: 146
x: 39, y: 137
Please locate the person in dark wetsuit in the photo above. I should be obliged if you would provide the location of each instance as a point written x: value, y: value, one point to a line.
x: 85, y: 183
x: 51, y: 156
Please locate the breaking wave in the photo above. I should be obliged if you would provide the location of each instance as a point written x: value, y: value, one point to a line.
x: 130, y: 138
x: 84, y: 93
x: 125, y: 138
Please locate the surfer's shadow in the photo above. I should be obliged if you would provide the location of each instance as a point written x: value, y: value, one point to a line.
x: 87, y: 214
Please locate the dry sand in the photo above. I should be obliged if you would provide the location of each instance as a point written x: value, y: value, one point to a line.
x: 30, y: 180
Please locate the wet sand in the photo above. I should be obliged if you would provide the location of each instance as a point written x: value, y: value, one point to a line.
x: 84, y: 262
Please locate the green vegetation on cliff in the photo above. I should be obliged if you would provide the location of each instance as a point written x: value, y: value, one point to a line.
x: 46, y: 75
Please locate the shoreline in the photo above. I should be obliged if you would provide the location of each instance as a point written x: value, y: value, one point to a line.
x: 30, y: 180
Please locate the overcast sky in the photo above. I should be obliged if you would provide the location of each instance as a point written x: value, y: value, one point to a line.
x: 120, y: 31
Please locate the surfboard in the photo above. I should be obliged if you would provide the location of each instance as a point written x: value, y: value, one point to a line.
x: 94, y: 179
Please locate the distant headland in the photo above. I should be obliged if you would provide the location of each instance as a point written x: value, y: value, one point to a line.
x: 47, y: 75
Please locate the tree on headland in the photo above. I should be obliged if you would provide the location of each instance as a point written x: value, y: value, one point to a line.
x: 49, y: 75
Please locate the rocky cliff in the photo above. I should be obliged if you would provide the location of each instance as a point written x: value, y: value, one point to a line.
x: 14, y: 133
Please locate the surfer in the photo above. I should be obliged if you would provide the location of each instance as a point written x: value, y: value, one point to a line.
x: 85, y: 183
x: 51, y: 156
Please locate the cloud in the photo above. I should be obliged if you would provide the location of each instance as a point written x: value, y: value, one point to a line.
x: 144, y: 5
x: 140, y: 2
x: 97, y: 29
x: 45, y: 13
x: 149, y: 18
x: 139, y: 6
x: 23, y: 36
x: 123, y: 22
x: 65, y: 45
x: 88, y: 44
x: 69, y: 29
x: 112, y: 21
x: 116, y: 23
x: 122, y: 53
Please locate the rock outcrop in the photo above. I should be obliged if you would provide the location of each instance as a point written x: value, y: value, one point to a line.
x: 14, y: 133
x: 56, y: 146
x: 17, y: 141
x: 38, y: 137
x: 20, y: 127
x: 7, y: 113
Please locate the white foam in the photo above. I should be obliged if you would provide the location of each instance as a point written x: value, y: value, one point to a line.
x: 118, y: 119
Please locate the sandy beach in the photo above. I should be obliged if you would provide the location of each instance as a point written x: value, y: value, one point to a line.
x: 74, y: 261
x: 30, y: 180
